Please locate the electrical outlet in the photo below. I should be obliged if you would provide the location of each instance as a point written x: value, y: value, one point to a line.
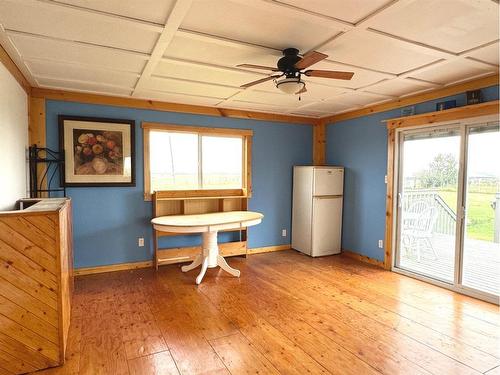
x: 381, y: 244
x: 283, y: 233
x: 140, y: 242
x: 385, y: 179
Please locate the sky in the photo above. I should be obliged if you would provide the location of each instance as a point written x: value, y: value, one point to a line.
x: 483, y: 153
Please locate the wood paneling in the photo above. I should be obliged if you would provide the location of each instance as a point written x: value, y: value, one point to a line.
x: 288, y: 313
x: 35, y: 287
x: 71, y: 96
x: 415, y: 99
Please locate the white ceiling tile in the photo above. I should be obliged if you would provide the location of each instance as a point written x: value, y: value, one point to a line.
x: 82, y: 86
x: 452, y: 25
x: 453, y: 71
x: 398, y: 87
x: 358, y: 98
x: 328, y: 106
x: 146, y: 10
x: 195, y: 48
x: 250, y: 22
x: 61, y: 22
x: 50, y: 49
x: 277, y: 98
x: 239, y: 104
x: 188, y: 88
x: 374, y: 51
x: 350, y: 11
x: 176, y: 98
x: 204, y: 73
x: 70, y: 72
x: 488, y: 54
x: 304, y: 112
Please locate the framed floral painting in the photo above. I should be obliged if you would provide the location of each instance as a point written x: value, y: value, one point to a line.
x: 98, y: 151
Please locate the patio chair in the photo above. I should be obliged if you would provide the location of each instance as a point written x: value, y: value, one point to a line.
x: 417, y: 233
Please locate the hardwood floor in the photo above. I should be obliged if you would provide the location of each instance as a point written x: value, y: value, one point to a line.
x: 287, y: 314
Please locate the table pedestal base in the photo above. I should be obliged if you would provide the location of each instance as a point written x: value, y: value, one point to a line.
x: 210, y: 258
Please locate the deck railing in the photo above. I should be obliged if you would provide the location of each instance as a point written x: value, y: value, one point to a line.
x: 447, y: 218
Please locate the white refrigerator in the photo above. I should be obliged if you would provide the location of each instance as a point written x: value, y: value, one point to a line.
x: 317, y: 209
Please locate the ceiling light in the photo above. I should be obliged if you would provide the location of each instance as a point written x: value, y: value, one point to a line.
x: 290, y: 85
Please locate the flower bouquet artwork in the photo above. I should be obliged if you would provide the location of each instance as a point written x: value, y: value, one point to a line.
x: 98, y: 152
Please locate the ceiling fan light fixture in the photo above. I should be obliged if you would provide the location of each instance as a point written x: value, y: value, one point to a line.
x: 290, y: 85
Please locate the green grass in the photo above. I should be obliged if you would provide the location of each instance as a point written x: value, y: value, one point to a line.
x: 480, y: 215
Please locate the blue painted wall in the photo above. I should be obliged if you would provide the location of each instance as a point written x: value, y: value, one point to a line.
x: 108, y: 221
x: 360, y: 145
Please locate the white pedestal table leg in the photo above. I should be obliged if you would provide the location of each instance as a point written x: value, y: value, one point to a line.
x: 211, y: 257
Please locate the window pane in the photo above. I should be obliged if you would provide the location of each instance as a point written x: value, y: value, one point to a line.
x: 222, y: 162
x: 173, y: 161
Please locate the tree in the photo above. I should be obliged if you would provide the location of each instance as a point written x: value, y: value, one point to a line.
x: 442, y: 171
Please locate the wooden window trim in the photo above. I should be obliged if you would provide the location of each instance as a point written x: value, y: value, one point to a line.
x: 245, y: 134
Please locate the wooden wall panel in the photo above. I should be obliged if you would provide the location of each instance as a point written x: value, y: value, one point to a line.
x: 35, y: 288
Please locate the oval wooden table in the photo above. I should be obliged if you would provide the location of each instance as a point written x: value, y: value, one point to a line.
x: 208, y: 225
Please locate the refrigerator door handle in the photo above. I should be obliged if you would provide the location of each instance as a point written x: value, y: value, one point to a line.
x: 327, y: 196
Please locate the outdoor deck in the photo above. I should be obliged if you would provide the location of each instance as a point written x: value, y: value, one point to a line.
x: 481, y: 263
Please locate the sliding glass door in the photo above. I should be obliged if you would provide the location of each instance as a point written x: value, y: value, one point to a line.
x: 481, y: 248
x: 448, y: 206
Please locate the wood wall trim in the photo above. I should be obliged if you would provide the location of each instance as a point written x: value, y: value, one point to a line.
x: 268, y: 249
x: 205, y: 130
x: 475, y: 110
x: 11, y: 66
x: 363, y: 258
x: 458, y: 88
x: 389, y: 201
x: 36, y: 127
x: 149, y: 263
x: 319, y: 143
x: 72, y: 96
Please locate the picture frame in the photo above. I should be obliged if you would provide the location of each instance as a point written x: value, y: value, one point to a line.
x: 98, y: 152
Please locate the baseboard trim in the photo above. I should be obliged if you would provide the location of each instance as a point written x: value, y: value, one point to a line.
x: 149, y: 263
x: 268, y: 249
x: 113, y: 268
x: 363, y: 258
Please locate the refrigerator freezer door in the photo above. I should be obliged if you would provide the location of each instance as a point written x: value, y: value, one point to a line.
x: 328, y: 181
x: 327, y: 226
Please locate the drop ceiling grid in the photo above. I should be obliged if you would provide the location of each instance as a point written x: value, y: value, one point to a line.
x: 73, y: 45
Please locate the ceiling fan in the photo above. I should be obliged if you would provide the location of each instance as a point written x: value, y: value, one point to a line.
x: 291, y: 66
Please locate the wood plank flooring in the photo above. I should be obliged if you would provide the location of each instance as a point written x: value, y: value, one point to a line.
x: 287, y: 314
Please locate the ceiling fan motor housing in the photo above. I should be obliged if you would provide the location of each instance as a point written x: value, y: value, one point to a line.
x: 287, y: 63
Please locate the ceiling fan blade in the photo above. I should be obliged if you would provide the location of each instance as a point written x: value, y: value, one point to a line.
x: 246, y: 85
x: 252, y: 66
x: 329, y: 74
x: 309, y: 59
x: 301, y: 91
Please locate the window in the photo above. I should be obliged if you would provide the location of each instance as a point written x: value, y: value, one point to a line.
x: 194, y: 158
